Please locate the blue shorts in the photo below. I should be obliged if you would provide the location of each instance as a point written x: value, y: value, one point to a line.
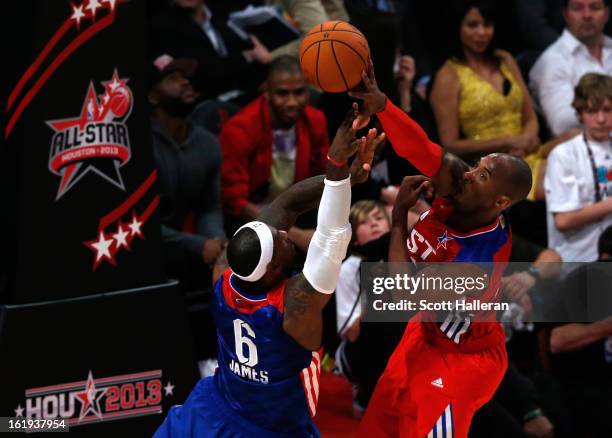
x: 206, y: 414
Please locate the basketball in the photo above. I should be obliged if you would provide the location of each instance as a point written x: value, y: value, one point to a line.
x: 333, y: 55
x: 120, y: 102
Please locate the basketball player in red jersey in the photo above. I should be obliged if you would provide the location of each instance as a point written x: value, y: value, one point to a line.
x: 447, y: 365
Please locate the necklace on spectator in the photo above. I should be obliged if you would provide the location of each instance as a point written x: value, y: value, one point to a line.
x: 593, y: 168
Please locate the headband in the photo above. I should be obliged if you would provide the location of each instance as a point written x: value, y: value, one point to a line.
x: 266, y: 242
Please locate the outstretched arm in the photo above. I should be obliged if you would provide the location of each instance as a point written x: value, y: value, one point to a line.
x: 407, y: 137
x: 307, y: 293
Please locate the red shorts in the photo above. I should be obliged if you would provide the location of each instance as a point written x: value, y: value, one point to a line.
x: 432, y: 387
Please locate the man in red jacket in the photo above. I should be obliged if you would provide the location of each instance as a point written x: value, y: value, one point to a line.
x: 275, y: 141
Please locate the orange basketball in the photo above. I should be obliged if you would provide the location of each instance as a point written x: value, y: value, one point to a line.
x: 333, y: 55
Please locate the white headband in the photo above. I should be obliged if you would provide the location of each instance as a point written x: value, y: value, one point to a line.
x: 266, y: 242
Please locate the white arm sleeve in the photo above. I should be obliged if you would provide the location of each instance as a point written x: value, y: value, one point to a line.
x: 328, y: 246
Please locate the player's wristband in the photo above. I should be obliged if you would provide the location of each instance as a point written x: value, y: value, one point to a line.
x: 535, y: 413
x: 336, y: 163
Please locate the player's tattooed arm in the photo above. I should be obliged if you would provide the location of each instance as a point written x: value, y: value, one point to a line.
x: 297, y: 199
x: 303, y: 319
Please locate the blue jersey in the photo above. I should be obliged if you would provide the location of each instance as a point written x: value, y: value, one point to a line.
x: 264, y: 375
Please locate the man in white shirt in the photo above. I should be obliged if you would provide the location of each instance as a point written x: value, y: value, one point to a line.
x: 582, y: 48
x: 578, y: 180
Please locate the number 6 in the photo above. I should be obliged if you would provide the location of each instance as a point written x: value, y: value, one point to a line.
x: 251, y: 359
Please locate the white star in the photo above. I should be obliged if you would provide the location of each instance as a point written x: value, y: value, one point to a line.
x: 19, y: 410
x: 111, y: 3
x: 114, y: 84
x: 135, y: 227
x: 102, y: 247
x: 106, y: 98
x: 120, y: 237
x: 92, y: 6
x: 168, y: 388
x: 77, y: 14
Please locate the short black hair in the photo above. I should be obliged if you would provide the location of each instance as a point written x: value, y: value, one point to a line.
x: 284, y: 64
x: 518, y: 177
x: 604, y: 244
x: 244, y: 251
x: 566, y: 3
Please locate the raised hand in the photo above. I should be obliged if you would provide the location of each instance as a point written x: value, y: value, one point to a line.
x: 345, y: 145
x: 409, y: 193
x: 362, y: 164
x: 374, y: 100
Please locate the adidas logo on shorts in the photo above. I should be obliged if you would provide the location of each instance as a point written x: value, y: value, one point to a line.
x: 438, y: 382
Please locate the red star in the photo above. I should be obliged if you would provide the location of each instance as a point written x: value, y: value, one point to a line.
x: 90, y: 399
x: 88, y: 113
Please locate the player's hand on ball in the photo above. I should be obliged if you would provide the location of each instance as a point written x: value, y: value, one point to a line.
x: 345, y: 144
x: 374, y: 100
x: 411, y: 189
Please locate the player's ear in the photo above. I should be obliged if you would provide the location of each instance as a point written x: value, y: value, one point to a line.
x: 503, y: 202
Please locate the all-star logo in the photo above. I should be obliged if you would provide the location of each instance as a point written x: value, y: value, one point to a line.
x: 90, y: 399
x: 443, y: 239
x: 97, y: 140
x: 98, y: 399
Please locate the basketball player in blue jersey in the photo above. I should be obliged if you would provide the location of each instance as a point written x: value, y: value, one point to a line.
x: 269, y: 325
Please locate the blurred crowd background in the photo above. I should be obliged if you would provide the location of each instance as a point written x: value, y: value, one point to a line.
x: 234, y: 123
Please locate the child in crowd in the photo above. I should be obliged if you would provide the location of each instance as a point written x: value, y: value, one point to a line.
x: 578, y: 179
x: 365, y: 348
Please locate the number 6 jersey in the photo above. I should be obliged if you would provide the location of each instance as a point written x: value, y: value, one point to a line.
x: 263, y: 374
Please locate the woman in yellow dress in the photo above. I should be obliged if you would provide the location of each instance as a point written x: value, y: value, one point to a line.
x: 480, y: 101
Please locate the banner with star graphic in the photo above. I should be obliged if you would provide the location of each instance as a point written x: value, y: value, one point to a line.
x: 100, y: 364
x: 80, y: 177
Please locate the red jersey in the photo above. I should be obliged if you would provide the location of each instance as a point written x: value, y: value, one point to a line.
x: 431, y: 240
